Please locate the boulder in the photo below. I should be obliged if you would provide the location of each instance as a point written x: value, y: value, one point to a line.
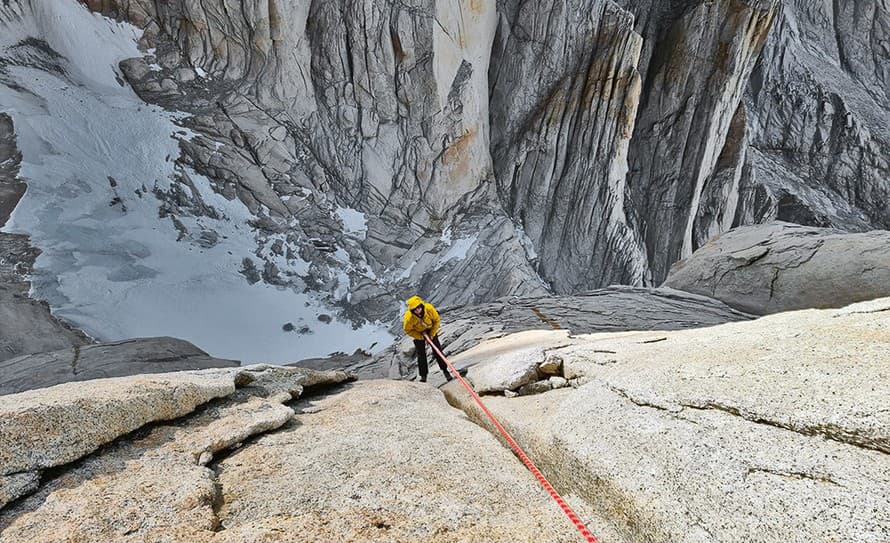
x: 558, y: 382
x: 510, y: 362
x: 552, y: 365
x: 115, y: 359
x: 537, y: 387
x: 776, y: 428
x: 779, y: 267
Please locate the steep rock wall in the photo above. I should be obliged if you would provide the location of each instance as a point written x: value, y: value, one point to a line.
x: 477, y: 149
x: 819, y: 109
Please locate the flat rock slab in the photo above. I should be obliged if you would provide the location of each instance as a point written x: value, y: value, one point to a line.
x: 780, y: 267
x: 773, y: 430
x: 115, y: 359
x: 383, y: 461
x: 157, y: 483
x: 151, y: 488
x: 53, y: 426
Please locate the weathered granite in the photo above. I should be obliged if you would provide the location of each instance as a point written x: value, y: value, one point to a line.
x: 510, y: 362
x: 775, y: 429
x: 384, y: 461
x: 16, y: 485
x: 355, y: 466
x: 780, y: 267
x: 49, y: 427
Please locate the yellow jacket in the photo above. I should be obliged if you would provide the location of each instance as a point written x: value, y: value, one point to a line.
x: 415, y: 326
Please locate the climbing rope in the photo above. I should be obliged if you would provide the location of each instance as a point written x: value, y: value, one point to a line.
x: 517, y: 449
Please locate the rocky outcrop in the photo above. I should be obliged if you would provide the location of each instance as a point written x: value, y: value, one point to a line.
x: 780, y: 267
x: 26, y: 325
x: 513, y: 362
x: 384, y: 473
x: 356, y: 466
x: 606, y: 310
x: 117, y: 359
x: 697, y: 72
x: 666, y: 436
x: 48, y: 428
x: 379, y: 107
x: 652, y: 436
x: 466, y: 151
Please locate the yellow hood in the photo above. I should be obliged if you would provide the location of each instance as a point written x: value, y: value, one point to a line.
x: 414, y: 301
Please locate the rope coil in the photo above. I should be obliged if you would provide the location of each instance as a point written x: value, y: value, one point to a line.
x: 517, y: 449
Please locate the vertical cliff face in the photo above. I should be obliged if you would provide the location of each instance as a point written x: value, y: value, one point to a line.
x: 694, y: 84
x: 687, y: 149
x: 474, y: 149
x: 819, y: 110
x: 565, y: 90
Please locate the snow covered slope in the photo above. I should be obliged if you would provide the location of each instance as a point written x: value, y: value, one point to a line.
x: 101, y: 169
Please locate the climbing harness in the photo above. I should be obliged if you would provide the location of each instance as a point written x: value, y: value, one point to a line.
x: 517, y: 449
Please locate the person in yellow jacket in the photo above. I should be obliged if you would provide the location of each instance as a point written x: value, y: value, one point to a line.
x: 419, y: 318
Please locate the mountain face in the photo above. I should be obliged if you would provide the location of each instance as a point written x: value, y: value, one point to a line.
x: 346, y: 153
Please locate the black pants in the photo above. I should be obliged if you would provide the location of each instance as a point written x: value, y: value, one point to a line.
x: 420, y: 347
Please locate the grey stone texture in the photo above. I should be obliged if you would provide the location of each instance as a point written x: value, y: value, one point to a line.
x: 772, y: 430
x: 355, y: 466
x: 779, y: 267
x: 53, y: 428
x: 97, y: 361
x: 572, y: 145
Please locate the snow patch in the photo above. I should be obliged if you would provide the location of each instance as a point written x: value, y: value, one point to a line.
x: 93, y: 155
x: 458, y: 250
x: 354, y: 222
x: 407, y: 273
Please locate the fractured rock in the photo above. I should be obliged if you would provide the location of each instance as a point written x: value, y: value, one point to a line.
x: 537, y: 387
x: 511, y: 362
x: 366, y: 468
x: 53, y: 426
x: 668, y: 440
x: 153, y: 488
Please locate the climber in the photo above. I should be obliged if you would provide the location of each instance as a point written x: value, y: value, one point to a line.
x: 419, y: 318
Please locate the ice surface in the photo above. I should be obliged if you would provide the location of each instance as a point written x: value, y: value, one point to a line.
x: 92, y: 155
x: 458, y: 250
x: 354, y: 221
